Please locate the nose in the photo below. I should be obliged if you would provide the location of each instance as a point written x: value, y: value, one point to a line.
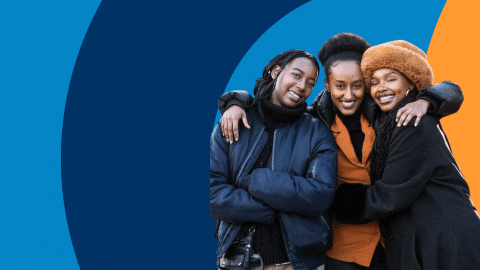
x: 348, y: 94
x: 382, y: 85
x: 301, y: 84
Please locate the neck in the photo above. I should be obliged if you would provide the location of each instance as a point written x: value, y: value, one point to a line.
x: 350, y: 121
x: 353, y: 117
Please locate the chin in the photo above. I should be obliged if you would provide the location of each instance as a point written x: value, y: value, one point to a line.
x: 386, y: 108
x: 292, y: 104
x: 383, y: 108
x: 349, y: 111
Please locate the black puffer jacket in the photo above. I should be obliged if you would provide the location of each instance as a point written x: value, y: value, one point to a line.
x: 299, y: 187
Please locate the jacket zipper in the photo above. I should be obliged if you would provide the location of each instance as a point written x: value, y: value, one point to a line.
x: 249, y: 154
x: 240, y: 173
x: 273, y: 149
x: 321, y: 118
x: 230, y: 226
x: 325, y: 221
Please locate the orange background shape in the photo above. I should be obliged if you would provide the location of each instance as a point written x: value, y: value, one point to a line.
x: 454, y: 55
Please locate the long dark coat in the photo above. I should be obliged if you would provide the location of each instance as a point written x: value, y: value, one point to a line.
x: 423, y: 203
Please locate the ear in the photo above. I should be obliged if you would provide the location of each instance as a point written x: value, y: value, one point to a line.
x: 275, y: 72
x: 327, y: 86
x: 411, y: 86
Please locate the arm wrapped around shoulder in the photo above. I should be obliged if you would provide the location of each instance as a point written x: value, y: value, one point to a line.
x: 238, y: 97
x: 349, y: 203
x: 445, y: 98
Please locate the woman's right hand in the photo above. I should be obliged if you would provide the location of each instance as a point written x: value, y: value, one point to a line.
x: 230, y: 120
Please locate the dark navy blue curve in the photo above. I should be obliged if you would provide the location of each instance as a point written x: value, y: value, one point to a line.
x: 136, y: 130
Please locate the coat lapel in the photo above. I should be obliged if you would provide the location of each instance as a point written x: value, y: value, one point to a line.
x: 342, y: 137
x: 369, y: 132
x: 340, y: 133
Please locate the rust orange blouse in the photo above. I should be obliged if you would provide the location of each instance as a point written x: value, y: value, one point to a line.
x: 353, y: 243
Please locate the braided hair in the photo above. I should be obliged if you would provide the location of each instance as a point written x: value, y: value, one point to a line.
x: 265, y: 85
x: 342, y: 47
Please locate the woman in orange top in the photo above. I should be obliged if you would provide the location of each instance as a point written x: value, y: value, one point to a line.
x: 344, y: 107
x: 354, y: 246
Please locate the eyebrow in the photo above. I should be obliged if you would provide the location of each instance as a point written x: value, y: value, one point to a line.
x: 295, y: 68
x: 301, y: 71
x: 357, y: 81
x: 391, y: 72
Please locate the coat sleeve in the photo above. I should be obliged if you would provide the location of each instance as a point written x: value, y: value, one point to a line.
x: 237, y: 97
x: 445, y: 97
x: 227, y: 202
x: 309, y: 195
x: 410, y: 164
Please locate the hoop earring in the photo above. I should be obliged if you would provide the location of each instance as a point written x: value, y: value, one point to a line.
x: 406, y: 94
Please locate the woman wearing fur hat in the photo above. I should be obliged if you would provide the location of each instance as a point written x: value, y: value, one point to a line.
x: 345, y: 108
x: 418, y: 192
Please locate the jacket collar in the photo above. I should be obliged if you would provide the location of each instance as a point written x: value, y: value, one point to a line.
x: 323, y: 107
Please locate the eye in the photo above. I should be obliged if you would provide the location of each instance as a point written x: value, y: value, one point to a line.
x: 374, y: 83
x: 391, y: 79
x: 296, y: 75
x: 310, y: 84
x: 358, y: 86
x: 340, y: 86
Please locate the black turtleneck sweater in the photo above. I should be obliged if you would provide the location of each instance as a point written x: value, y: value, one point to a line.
x: 354, y: 127
x: 267, y: 239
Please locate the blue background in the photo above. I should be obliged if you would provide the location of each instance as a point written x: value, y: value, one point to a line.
x: 114, y: 174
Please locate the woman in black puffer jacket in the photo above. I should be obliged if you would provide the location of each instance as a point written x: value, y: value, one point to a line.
x: 280, y: 176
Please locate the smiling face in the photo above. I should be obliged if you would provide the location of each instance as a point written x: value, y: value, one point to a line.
x: 294, y: 83
x: 346, y: 86
x: 389, y: 87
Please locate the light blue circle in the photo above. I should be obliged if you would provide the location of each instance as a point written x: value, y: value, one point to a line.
x: 40, y: 43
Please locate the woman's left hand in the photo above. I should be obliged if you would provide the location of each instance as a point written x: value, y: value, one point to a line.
x: 413, y: 109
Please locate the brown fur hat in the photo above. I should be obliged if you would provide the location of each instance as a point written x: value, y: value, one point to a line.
x: 401, y: 56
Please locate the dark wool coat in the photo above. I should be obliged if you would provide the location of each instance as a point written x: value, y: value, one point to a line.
x: 423, y: 203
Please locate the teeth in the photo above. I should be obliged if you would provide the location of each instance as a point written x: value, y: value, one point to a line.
x: 347, y: 104
x: 295, y: 95
x: 387, y: 98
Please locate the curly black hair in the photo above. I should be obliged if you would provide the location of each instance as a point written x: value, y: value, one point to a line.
x: 342, y: 47
x: 265, y: 85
